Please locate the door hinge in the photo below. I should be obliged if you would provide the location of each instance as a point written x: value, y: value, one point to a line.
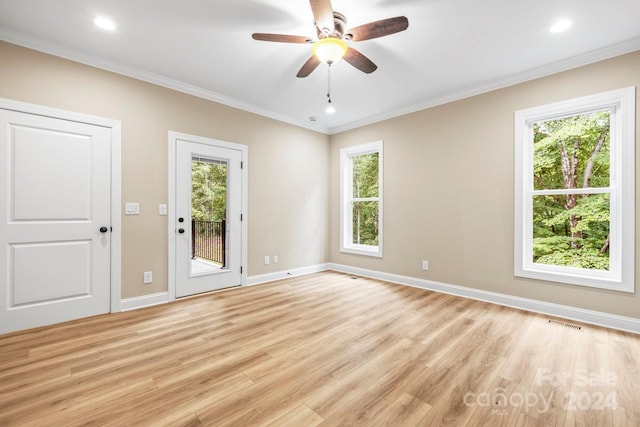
x: 240, y: 269
x: 241, y: 165
x: 111, y: 228
x: 241, y: 217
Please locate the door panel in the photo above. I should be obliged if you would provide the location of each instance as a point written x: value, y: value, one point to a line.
x: 55, y: 261
x: 66, y: 193
x: 33, y: 285
x: 201, y: 264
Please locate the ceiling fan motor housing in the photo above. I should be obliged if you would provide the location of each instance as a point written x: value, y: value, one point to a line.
x: 339, y: 26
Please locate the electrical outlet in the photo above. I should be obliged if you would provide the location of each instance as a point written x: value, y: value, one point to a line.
x: 147, y: 277
x: 266, y: 260
x: 425, y: 265
x: 275, y: 259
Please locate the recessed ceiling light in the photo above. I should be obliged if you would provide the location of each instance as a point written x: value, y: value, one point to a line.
x: 560, y: 26
x: 105, y: 23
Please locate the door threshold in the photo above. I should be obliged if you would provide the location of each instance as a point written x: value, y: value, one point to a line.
x: 202, y: 294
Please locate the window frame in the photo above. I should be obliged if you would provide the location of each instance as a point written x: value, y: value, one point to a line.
x: 620, y: 276
x: 347, y: 200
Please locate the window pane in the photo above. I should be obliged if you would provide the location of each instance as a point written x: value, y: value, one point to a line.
x: 573, y: 152
x: 365, y: 175
x: 365, y: 223
x: 572, y: 230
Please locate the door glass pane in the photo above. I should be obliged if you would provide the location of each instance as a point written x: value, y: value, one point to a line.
x: 209, y: 246
x: 573, y: 152
x: 572, y: 230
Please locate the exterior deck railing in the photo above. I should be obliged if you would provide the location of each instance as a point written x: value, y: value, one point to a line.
x: 208, y: 240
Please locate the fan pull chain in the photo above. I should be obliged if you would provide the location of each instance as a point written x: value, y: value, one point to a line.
x: 329, y: 83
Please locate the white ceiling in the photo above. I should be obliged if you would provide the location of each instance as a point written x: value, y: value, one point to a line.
x: 452, y: 49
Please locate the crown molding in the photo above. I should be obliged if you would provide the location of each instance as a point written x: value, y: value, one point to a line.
x: 156, y: 79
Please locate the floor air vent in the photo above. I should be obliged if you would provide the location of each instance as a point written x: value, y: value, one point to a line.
x: 568, y: 325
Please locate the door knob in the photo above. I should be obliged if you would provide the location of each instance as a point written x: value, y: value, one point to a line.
x: 103, y: 229
x: 180, y: 219
x: 180, y: 230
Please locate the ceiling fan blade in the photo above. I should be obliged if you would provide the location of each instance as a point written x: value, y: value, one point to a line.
x: 323, y: 14
x: 376, y: 29
x: 360, y: 61
x: 308, y: 67
x: 281, y: 38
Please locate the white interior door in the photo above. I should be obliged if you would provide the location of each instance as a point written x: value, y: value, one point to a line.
x: 208, y: 217
x: 54, y: 220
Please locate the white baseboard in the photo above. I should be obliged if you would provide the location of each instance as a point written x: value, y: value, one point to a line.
x: 278, y: 275
x: 622, y: 323
x: 144, y: 301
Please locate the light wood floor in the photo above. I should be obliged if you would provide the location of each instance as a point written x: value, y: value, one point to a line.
x: 327, y: 350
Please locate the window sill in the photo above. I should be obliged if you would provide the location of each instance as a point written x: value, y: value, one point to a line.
x: 604, y: 281
x: 372, y: 251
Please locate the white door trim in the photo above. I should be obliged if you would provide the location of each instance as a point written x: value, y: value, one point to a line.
x: 116, y: 179
x: 173, y: 140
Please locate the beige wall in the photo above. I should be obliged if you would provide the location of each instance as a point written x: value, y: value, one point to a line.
x: 448, y: 189
x: 288, y: 166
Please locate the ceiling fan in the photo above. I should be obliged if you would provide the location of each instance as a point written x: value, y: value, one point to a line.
x: 331, y: 44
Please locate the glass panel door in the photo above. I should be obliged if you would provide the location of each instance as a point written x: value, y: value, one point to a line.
x: 208, y: 217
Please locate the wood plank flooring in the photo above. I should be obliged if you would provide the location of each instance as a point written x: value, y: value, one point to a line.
x: 322, y: 350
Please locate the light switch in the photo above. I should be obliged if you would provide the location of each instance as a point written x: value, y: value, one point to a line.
x: 162, y: 209
x: 132, y: 209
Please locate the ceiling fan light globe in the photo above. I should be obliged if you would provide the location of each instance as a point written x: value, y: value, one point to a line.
x: 329, y: 50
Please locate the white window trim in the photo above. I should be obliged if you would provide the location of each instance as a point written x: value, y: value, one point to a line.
x: 346, y: 195
x: 620, y: 277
